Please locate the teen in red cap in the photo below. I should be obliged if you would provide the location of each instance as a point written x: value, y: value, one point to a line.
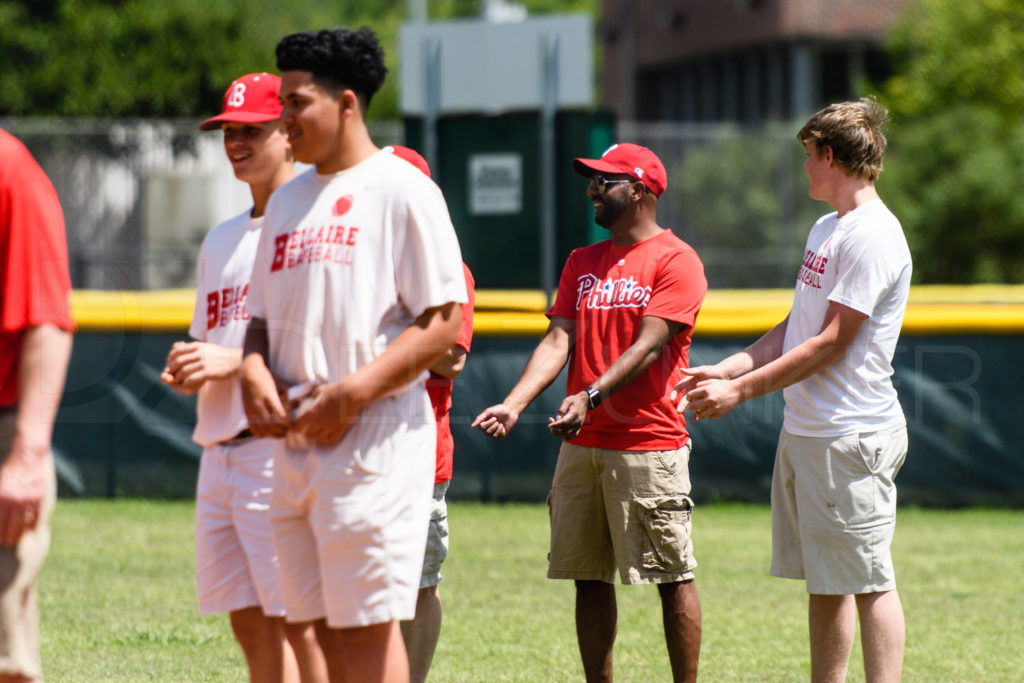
x: 236, y: 564
x: 622, y: 320
x: 422, y: 632
x: 252, y: 98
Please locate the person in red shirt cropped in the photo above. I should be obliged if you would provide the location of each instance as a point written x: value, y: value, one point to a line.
x: 422, y: 632
x: 622, y: 319
x: 35, y: 346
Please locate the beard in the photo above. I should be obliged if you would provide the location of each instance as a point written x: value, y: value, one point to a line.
x: 610, y: 210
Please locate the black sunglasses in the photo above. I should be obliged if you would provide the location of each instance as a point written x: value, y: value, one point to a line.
x: 601, y: 184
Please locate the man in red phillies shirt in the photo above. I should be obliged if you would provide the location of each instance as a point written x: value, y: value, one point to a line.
x: 623, y: 318
x: 422, y: 632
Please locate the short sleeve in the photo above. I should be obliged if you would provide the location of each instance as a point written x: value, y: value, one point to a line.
x: 34, y: 273
x: 564, y: 305
x: 256, y: 304
x: 679, y: 288
x: 199, y: 311
x: 465, y: 339
x: 427, y: 258
x: 865, y: 269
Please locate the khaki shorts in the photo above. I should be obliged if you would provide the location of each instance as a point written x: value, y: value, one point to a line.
x: 437, y: 537
x: 834, y: 510
x: 625, y: 510
x: 19, y: 569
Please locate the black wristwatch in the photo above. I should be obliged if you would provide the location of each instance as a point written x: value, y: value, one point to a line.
x: 593, y: 397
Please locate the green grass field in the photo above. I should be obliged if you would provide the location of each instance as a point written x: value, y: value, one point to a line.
x: 118, y: 600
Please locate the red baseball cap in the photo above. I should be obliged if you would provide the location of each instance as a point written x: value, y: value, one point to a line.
x: 250, y: 99
x: 634, y: 160
x: 410, y: 155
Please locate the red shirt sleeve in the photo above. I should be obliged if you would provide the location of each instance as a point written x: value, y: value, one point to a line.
x: 679, y: 289
x: 466, y: 331
x: 565, y: 299
x: 34, y: 258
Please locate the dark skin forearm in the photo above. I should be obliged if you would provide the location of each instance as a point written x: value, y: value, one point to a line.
x: 654, y: 335
x: 546, y: 361
x: 651, y: 340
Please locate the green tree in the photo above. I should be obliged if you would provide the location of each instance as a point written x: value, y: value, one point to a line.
x: 127, y: 58
x: 955, y: 171
x: 132, y: 58
x: 743, y: 198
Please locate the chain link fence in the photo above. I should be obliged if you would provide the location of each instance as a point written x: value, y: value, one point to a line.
x: 139, y: 195
x: 737, y: 194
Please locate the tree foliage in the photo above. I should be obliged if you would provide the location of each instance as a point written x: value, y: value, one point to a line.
x: 743, y: 196
x: 154, y: 58
x: 955, y: 171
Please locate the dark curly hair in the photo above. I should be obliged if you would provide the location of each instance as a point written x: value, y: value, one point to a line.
x: 338, y: 58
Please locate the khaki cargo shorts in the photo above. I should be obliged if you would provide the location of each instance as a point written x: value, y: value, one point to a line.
x: 625, y: 510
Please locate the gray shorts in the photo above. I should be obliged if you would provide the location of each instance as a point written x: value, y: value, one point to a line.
x: 621, y: 510
x: 437, y: 538
x: 834, y: 510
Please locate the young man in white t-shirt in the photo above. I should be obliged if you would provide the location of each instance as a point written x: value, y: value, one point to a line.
x: 844, y: 435
x: 356, y: 291
x: 236, y: 565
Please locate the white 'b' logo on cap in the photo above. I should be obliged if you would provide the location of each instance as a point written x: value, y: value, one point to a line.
x: 237, y: 98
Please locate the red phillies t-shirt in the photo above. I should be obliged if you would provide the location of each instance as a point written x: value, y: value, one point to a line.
x: 34, y: 280
x: 606, y: 290
x: 439, y: 388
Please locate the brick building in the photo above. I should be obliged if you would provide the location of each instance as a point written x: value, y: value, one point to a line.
x: 739, y: 60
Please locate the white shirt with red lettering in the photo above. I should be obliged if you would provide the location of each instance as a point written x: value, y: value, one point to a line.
x: 861, y: 261
x: 220, y: 317
x: 346, y: 262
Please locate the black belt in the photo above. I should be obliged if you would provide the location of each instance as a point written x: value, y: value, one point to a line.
x: 240, y: 436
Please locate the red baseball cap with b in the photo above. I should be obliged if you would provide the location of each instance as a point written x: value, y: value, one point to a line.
x: 634, y: 160
x: 250, y: 99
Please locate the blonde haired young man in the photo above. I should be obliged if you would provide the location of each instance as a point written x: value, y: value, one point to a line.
x: 844, y: 435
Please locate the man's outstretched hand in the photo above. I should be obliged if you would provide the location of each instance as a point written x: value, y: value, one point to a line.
x: 497, y: 421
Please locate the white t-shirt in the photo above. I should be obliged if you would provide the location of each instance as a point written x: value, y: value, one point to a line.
x: 220, y: 317
x: 347, y: 261
x: 861, y: 261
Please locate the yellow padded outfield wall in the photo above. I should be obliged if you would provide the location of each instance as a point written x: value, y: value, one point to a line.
x: 932, y: 310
